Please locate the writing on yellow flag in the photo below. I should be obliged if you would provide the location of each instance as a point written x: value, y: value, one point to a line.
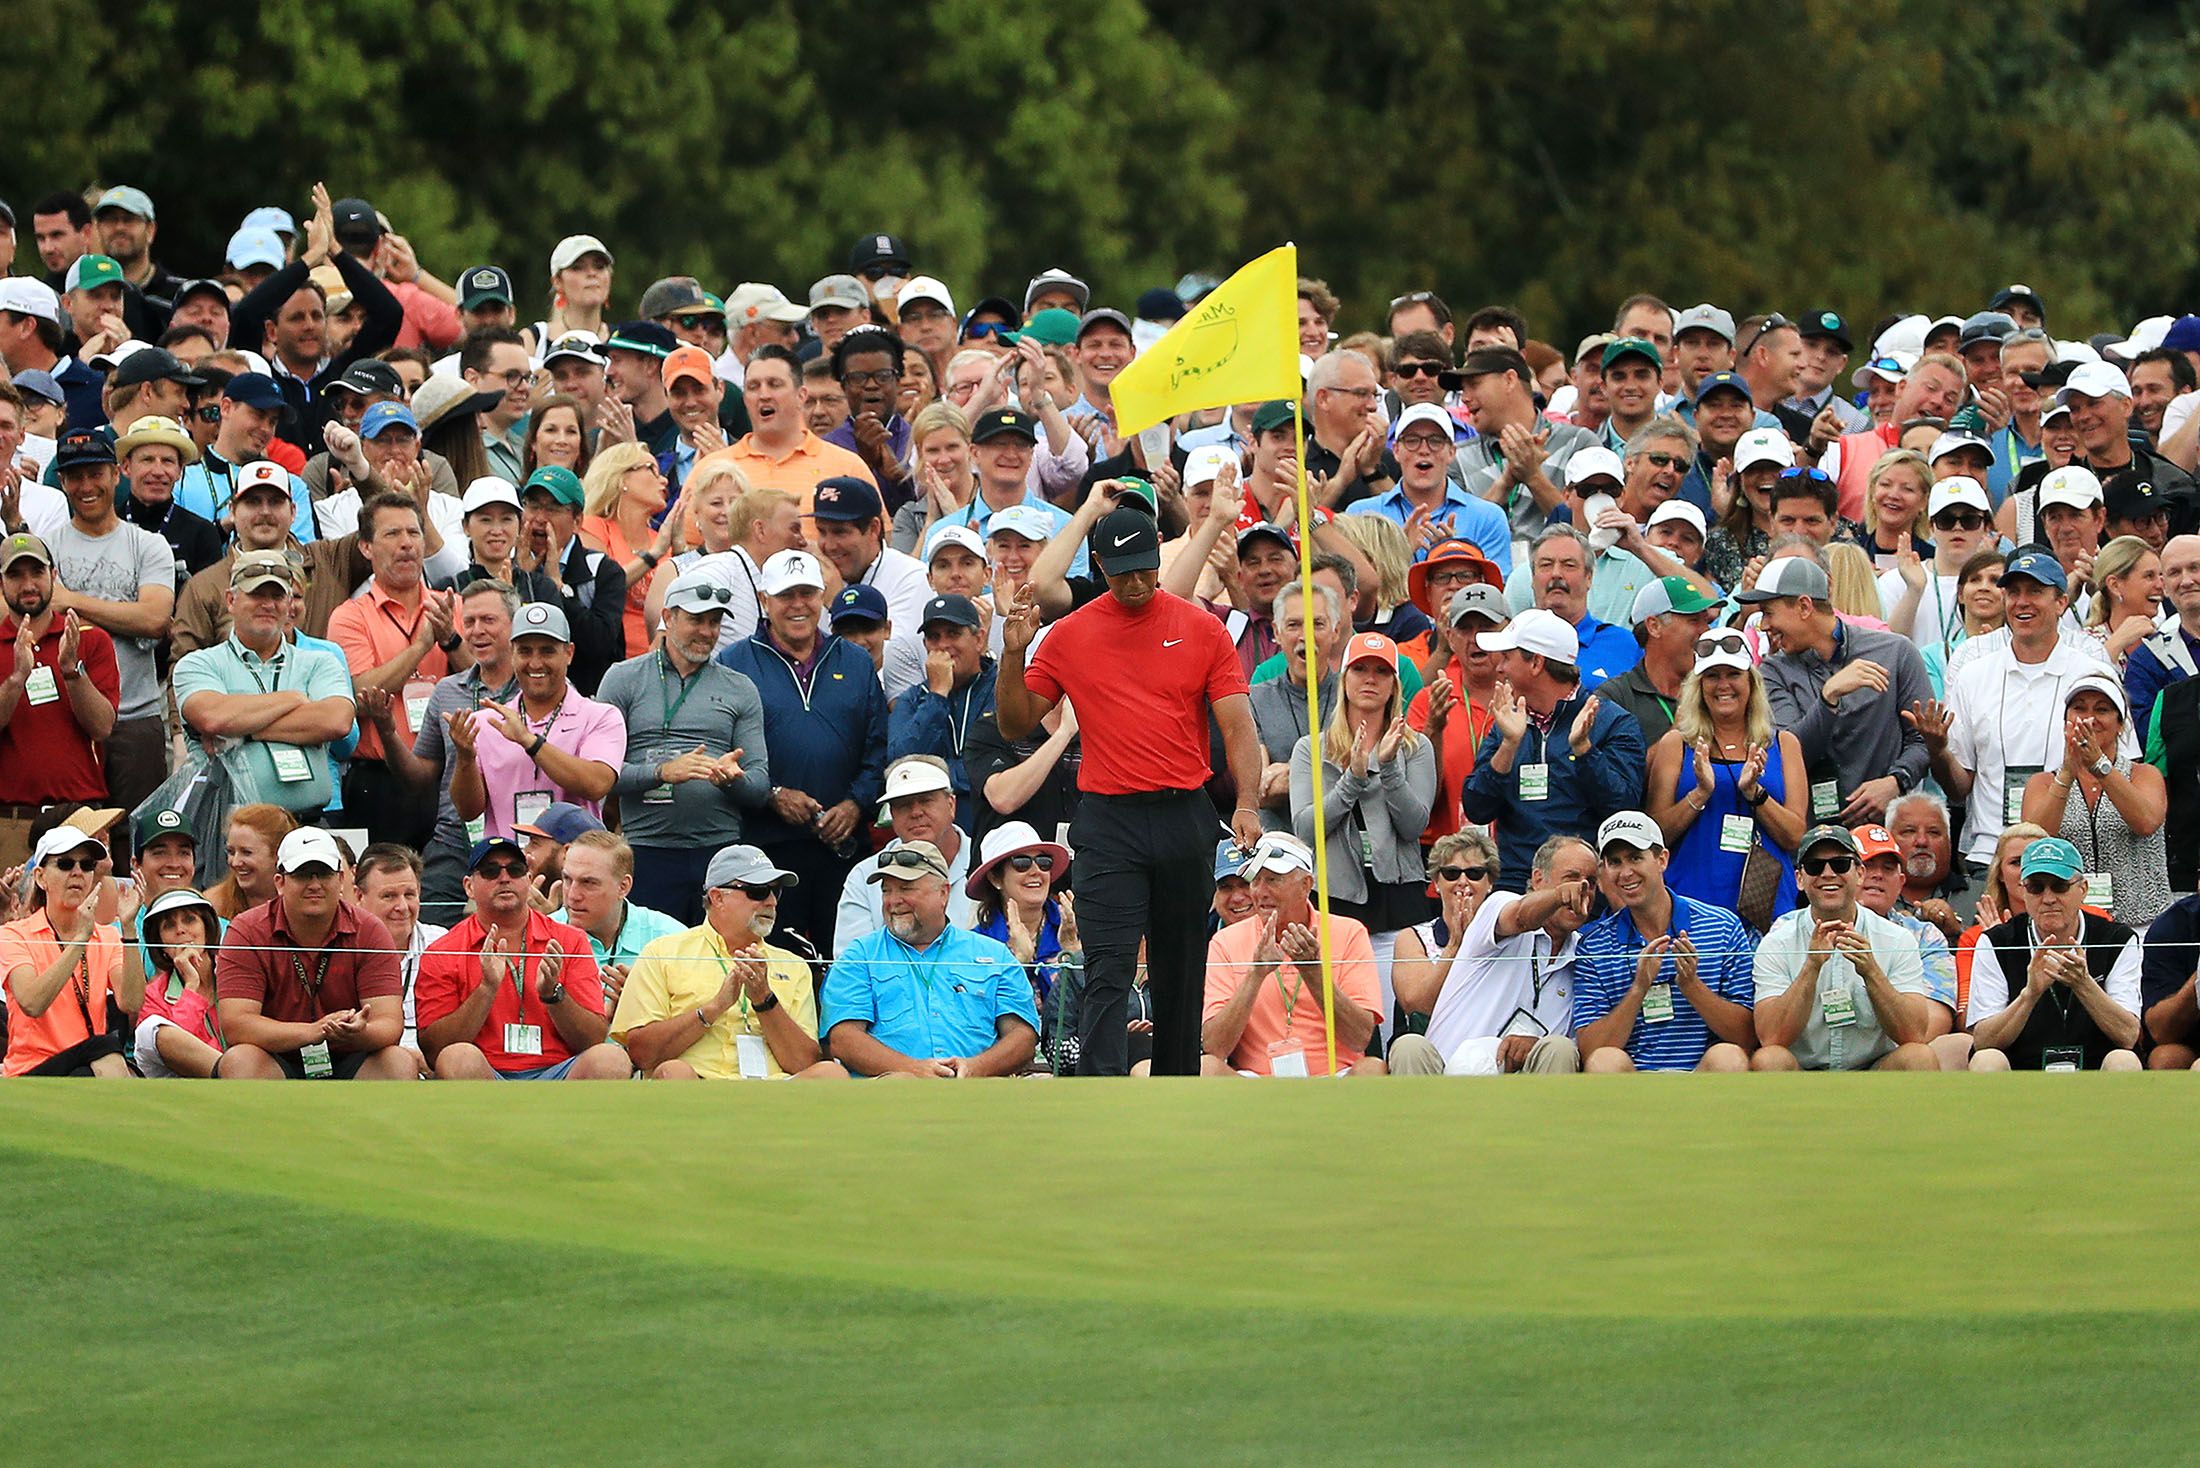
x: 1240, y: 344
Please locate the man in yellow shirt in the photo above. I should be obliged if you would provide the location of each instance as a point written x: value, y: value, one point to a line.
x: 717, y: 1002
x: 780, y: 451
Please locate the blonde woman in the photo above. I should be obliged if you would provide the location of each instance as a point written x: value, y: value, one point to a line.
x: 1855, y: 586
x: 2127, y: 596
x: 1895, y: 494
x: 939, y: 436
x: 624, y: 489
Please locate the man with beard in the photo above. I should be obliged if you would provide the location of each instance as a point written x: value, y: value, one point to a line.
x: 125, y: 221
x: 58, y: 691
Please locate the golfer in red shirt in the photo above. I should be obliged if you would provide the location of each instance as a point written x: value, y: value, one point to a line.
x: 1142, y: 668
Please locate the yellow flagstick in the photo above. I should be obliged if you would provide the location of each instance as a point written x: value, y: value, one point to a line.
x: 1314, y: 722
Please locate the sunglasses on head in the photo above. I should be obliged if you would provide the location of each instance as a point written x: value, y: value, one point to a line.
x: 1453, y: 874
x: 711, y: 593
x: 1412, y: 298
x: 1024, y: 861
x: 1804, y: 471
x: 1959, y: 520
x: 514, y: 867
x: 1770, y: 324
x: 75, y: 863
x: 2039, y: 885
x: 1712, y: 642
x: 1840, y: 866
x: 1421, y: 369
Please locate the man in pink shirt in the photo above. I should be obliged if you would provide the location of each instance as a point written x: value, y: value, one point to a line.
x: 1264, y: 978
x: 550, y: 744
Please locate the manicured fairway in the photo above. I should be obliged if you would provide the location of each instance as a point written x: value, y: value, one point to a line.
x: 1844, y: 1270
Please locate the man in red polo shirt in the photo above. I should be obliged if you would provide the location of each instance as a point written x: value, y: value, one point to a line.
x: 58, y: 691
x: 307, y: 986
x: 1143, y: 669
x: 509, y: 994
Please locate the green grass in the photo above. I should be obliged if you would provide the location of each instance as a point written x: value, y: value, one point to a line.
x: 1830, y: 1269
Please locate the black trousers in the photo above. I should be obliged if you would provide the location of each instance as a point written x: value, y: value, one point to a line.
x: 812, y: 906
x: 1145, y: 870
x: 390, y: 809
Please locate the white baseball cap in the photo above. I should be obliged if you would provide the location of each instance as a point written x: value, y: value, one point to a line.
x: 1682, y: 510
x: 1202, y: 464
x: 61, y: 840
x: 2073, y: 485
x: 2094, y: 380
x: 925, y: 288
x: 1763, y: 446
x: 1029, y: 521
x: 1427, y: 413
x: 961, y: 535
x: 307, y: 846
x: 788, y: 570
x: 1595, y: 462
x: 914, y: 775
x: 1281, y: 853
x: 2145, y: 337
x: 1891, y: 369
x: 572, y: 247
x: 1543, y: 633
x: 575, y: 344
x: 1956, y: 438
x: 261, y: 474
x: 1958, y: 489
x: 754, y: 301
x: 1632, y: 827
x: 27, y: 297
x: 488, y: 490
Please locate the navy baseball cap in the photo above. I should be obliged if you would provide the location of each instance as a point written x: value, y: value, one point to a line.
x: 2036, y: 563
x: 649, y: 338
x: 956, y: 611
x: 84, y: 446
x: 1229, y: 859
x: 255, y: 390
x: 860, y: 603
x: 561, y: 821
x: 844, y: 497
x: 487, y: 846
x: 1714, y: 381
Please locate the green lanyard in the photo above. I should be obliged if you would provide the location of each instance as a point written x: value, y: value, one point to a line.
x: 671, y: 705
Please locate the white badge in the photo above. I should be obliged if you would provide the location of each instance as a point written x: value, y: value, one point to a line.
x: 314, y: 1058
x: 657, y: 795
x: 290, y: 763
x: 1825, y: 799
x: 2100, y: 889
x: 523, y: 1039
x: 1839, y: 1006
x: 41, y: 686
x: 1535, y: 782
x: 1288, y: 1058
x: 749, y: 1049
x: 1657, y: 1005
x: 2013, y: 781
x: 476, y: 829
x: 416, y: 704
x: 528, y: 806
x: 1737, y: 833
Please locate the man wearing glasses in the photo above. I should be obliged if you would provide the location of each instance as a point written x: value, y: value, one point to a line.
x: 1420, y: 360
x: 1838, y: 986
x: 868, y: 362
x: 2056, y: 987
x: 493, y: 360
x: 1922, y: 599
x: 1344, y: 434
x: 695, y: 759
x: 1425, y: 504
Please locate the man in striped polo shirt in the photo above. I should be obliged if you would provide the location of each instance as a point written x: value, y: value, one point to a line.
x: 1664, y: 982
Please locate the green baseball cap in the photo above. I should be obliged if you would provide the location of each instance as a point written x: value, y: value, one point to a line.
x: 561, y: 483
x: 1053, y: 327
x: 154, y: 824
x: 87, y: 272
x: 1141, y: 486
x: 1270, y: 416
x: 1631, y: 346
x: 1670, y: 594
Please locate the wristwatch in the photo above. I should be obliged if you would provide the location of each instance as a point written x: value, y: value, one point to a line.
x: 768, y: 1002
x: 551, y: 995
x: 534, y: 751
x: 1758, y: 799
x: 73, y: 672
x: 2102, y: 766
x: 648, y: 557
x: 452, y: 643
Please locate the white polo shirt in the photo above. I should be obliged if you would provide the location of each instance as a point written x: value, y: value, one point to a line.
x: 2007, y: 726
x: 1493, y: 980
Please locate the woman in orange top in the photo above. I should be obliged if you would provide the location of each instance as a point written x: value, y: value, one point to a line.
x: 60, y: 965
x: 1436, y: 710
x: 625, y: 489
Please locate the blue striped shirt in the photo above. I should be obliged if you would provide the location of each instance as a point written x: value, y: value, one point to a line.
x: 1604, y: 969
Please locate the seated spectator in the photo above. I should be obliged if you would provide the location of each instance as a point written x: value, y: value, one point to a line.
x: 388, y: 878
x: 1279, y: 704
x: 920, y: 805
x: 177, y: 1033
x: 1266, y: 1011
x: 249, y: 845
x: 1663, y: 982
x: 956, y: 696
x: 307, y: 985
x: 2106, y: 804
x: 551, y: 744
x: 921, y: 997
x: 267, y: 708
x: 2168, y: 960
x: 1725, y: 785
x: 2000, y: 899
x: 1495, y: 972
x: 510, y: 994
x: 598, y: 885
x: 1521, y: 785
x: 717, y: 1002
x: 58, y: 689
x: 167, y: 851
x: 2056, y: 987
x: 1880, y: 858
x: 1931, y: 885
x: 1840, y: 987
x: 1233, y: 900
x: 1015, y: 887
x: 60, y: 967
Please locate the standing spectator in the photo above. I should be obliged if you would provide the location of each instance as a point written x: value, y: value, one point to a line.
x: 1427, y: 505
x: 867, y: 363
x: 851, y: 534
x: 625, y: 493
x: 154, y: 452
x: 397, y: 637
x: 693, y: 394
x: 2055, y: 987
x: 1144, y: 830
x: 586, y: 584
x: 1923, y: 602
x: 122, y: 580
x: 550, y: 744
x: 1278, y: 705
x: 388, y: 879
x: 780, y: 451
x: 1517, y: 459
x: 1255, y: 1021
x: 58, y: 690
x: 262, y: 512
x: 1841, y: 690
x: 1523, y: 787
x: 936, y: 717
x: 61, y: 967
x: 252, y: 408
x: 695, y: 752
x: 1668, y: 616
x: 718, y: 1002
x: 1454, y: 709
x: 1840, y: 987
x: 758, y: 524
x: 1724, y: 784
x: 922, y: 997
x: 919, y: 806
x: 1663, y: 982
x: 509, y: 994
x: 598, y: 887
x: 2168, y: 656
x: 825, y: 715
x: 1559, y: 577
x: 2167, y: 966
x: 268, y: 708
x: 308, y: 984
x: 2106, y: 804
x: 1744, y: 532
x: 1504, y: 1001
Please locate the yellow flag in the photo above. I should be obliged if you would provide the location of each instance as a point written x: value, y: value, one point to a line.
x: 1240, y: 344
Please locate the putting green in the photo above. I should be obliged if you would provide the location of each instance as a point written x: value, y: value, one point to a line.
x: 1519, y: 1271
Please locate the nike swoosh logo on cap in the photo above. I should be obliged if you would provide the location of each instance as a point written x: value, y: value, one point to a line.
x: 1126, y: 539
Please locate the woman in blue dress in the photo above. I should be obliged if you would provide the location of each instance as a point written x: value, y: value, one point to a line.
x: 1723, y: 782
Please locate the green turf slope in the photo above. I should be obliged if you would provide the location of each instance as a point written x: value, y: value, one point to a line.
x: 1841, y: 1270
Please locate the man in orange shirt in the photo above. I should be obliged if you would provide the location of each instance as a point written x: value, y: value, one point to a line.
x: 779, y: 451
x: 396, y: 635
x: 60, y: 965
x: 1264, y: 978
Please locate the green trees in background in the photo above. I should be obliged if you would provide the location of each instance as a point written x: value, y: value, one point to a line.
x: 1789, y: 155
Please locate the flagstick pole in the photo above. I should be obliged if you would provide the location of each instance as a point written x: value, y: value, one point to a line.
x: 1314, y: 723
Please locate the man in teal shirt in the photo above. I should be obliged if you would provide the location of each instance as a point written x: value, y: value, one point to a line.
x: 599, y: 875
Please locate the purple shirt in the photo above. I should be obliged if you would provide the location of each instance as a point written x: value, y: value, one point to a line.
x: 518, y: 788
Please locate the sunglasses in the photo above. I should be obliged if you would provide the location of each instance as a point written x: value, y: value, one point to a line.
x: 1453, y: 874
x: 211, y: 413
x: 1713, y: 642
x: 495, y: 869
x: 1804, y: 471
x: 986, y: 328
x: 1412, y: 298
x: 1770, y: 324
x: 1422, y: 369
x: 1959, y: 520
x: 758, y: 893
x: 709, y: 593
x: 1024, y: 861
x: 1666, y: 461
x: 2040, y: 885
x: 75, y: 863
x: 1840, y: 866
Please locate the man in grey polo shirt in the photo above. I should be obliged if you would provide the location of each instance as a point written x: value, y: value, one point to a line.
x: 1842, y: 690
x: 694, y: 749
x: 270, y: 708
